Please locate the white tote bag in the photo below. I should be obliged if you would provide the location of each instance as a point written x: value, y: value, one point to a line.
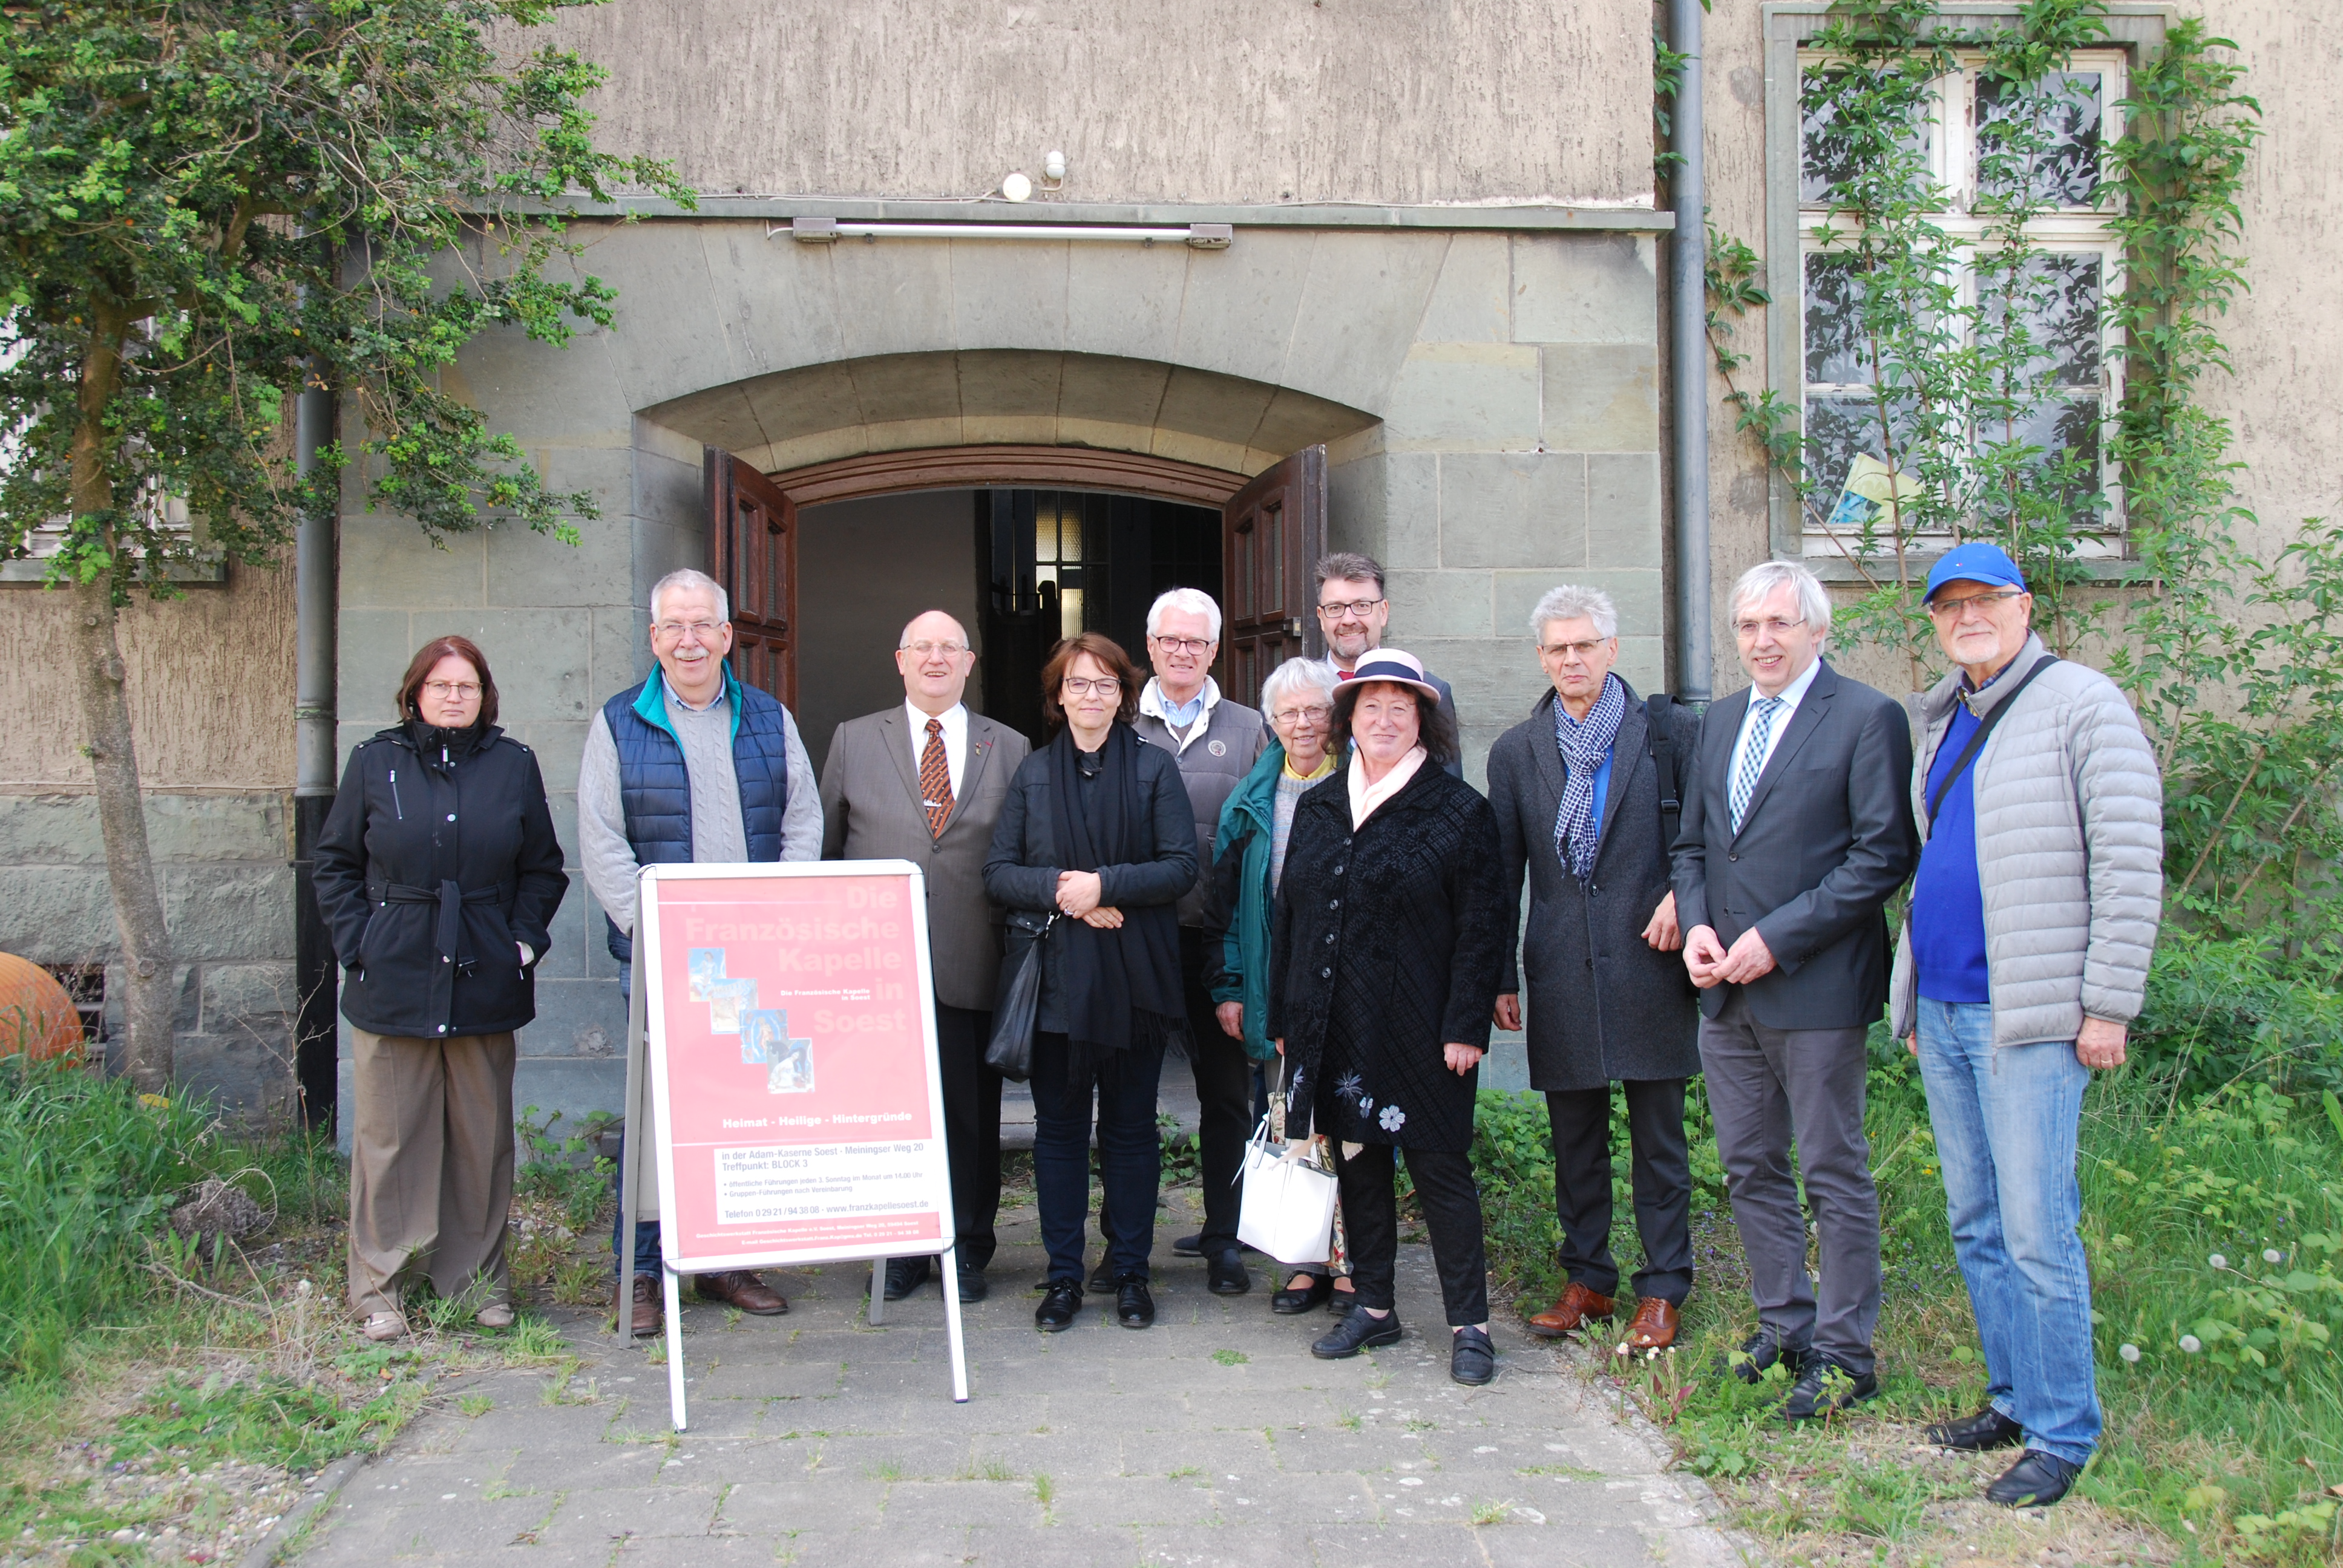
x: 1288, y: 1209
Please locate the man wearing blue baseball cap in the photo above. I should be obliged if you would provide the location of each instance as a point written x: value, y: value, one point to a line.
x: 2024, y: 958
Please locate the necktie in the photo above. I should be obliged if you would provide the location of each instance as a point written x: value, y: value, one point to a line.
x: 935, y: 779
x: 1753, y: 757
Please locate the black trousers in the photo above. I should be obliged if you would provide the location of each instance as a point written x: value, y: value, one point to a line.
x: 1452, y: 1211
x: 1130, y: 1157
x: 1224, y: 1093
x: 1661, y: 1167
x: 971, y: 1129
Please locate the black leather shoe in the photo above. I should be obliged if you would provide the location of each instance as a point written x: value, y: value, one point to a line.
x: 972, y: 1287
x: 1826, y: 1388
x: 1287, y: 1303
x: 1189, y: 1246
x: 1342, y: 1303
x: 1056, y: 1313
x: 1471, y: 1359
x: 2036, y: 1481
x: 1762, y: 1350
x: 905, y: 1275
x: 1224, y: 1273
x: 1101, y: 1279
x: 1134, y: 1307
x: 1987, y: 1428
x: 1359, y: 1332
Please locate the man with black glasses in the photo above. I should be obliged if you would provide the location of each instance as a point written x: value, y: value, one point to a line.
x: 1353, y: 613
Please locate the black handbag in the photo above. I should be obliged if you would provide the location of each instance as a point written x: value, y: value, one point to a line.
x: 1009, y: 1052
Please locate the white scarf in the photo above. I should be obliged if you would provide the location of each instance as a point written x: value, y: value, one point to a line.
x: 1366, y: 797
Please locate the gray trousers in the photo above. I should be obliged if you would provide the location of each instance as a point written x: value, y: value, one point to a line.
x: 1765, y: 1087
x: 431, y: 1167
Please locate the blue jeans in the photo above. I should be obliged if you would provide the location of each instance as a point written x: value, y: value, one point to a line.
x: 2006, y: 1125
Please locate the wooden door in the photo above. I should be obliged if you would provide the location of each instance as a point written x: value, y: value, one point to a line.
x: 1271, y: 533
x: 752, y: 550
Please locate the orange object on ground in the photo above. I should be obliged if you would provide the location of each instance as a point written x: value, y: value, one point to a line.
x: 37, y: 1017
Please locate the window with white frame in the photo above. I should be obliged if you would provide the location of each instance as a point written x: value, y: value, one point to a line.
x: 2061, y: 389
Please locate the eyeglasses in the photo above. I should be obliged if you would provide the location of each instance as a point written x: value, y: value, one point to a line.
x: 452, y: 690
x: 1195, y: 645
x: 930, y: 650
x: 1953, y: 608
x: 1583, y: 649
x: 1776, y: 626
x: 1357, y: 607
x: 705, y: 630
x: 1317, y: 713
x: 1105, y: 686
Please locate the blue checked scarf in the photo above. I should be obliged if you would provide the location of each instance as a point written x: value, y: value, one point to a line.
x: 1582, y: 744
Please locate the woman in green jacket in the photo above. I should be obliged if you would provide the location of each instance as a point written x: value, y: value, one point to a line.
x: 1298, y: 697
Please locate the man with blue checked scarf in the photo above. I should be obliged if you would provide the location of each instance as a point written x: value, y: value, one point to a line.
x: 1586, y: 795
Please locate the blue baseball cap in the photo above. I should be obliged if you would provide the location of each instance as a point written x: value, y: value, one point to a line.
x: 1975, y: 563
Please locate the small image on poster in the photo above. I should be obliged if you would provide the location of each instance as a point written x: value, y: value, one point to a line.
x: 728, y: 1000
x: 791, y: 1071
x: 707, y: 968
x: 763, y: 1032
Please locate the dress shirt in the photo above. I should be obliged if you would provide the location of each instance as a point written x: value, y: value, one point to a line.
x: 1789, y: 697
x: 955, y: 739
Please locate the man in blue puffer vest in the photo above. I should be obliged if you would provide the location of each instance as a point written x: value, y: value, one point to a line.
x: 688, y: 766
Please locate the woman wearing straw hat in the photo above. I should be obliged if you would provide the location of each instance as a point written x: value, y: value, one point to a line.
x: 1386, y: 952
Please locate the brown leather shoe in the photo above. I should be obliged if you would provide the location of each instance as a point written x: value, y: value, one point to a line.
x: 1577, y: 1307
x: 740, y: 1288
x: 1653, y: 1326
x: 646, y: 1306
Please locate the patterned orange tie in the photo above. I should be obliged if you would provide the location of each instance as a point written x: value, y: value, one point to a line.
x: 935, y: 779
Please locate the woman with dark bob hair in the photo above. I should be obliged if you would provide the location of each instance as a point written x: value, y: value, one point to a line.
x: 438, y: 874
x: 1095, y: 844
x: 1385, y: 952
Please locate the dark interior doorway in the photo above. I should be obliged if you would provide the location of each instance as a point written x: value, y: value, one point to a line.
x: 1058, y: 562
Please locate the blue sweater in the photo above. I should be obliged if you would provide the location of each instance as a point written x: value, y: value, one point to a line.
x: 1947, y: 899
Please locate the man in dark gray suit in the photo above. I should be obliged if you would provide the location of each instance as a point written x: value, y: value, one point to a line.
x: 1796, y: 830
x: 925, y: 782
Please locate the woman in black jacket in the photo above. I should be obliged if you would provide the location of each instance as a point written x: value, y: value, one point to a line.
x: 438, y: 874
x: 1386, y: 947
x: 1095, y: 844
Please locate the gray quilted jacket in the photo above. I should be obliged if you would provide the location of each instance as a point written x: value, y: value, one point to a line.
x: 2070, y: 851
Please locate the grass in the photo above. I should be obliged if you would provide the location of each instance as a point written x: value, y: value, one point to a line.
x: 2222, y: 1385
x: 177, y: 1393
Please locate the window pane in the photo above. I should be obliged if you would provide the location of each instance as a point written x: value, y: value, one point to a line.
x: 2038, y: 143
x: 1837, y: 428
x: 2065, y: 433
x: 1836, y: 354
x: 1829, y: 136
x: 2056, y: 300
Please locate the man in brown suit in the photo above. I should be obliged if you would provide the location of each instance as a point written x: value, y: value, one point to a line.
x: 925, y: 782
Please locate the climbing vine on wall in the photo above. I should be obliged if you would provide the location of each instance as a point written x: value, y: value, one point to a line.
x: 1997, y: 399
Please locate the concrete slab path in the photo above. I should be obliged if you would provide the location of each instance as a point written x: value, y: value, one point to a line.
x: 1212, y: 1438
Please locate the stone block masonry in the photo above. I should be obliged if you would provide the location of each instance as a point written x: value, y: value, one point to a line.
x: 227, y: 894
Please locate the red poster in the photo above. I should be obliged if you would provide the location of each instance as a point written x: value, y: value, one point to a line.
x: 791, y: 1044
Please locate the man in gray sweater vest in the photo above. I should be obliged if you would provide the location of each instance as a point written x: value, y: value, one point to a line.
x: 1217, y: 742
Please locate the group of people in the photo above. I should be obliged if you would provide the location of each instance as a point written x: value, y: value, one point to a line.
x: 1325, y: 919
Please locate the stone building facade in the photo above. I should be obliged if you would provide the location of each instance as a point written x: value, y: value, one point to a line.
x: 1444, y: 266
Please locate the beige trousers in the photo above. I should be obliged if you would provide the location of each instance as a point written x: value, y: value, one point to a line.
x: 431, y: 1166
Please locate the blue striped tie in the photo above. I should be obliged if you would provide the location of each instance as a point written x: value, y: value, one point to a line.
x: 1753, y: 757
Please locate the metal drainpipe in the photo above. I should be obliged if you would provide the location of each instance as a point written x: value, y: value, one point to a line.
x: 316, y: 571
x: 1688, y: 360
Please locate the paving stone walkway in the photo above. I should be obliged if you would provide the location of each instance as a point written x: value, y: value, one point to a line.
x: 1212, y: 1438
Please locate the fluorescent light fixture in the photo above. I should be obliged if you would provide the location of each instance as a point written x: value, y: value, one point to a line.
x: 829, y: 230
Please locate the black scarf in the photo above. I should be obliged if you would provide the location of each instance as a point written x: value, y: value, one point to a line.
x: 1121, y: 987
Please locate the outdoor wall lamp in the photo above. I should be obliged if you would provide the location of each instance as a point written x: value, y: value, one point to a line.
x: 829, y: 230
